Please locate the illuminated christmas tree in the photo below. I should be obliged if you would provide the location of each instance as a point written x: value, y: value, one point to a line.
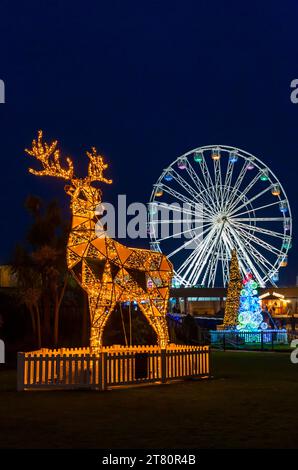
x: 233, y: 296
x: 250, y: 316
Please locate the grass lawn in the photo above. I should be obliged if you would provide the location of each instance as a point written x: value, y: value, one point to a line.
x: 251, y: 402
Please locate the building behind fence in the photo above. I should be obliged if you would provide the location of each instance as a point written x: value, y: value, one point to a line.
x: 77, y: 368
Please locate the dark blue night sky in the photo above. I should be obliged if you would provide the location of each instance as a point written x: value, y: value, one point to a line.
x: 145, y: 81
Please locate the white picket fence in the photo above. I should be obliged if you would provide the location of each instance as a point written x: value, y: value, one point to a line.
x: 115, y: 366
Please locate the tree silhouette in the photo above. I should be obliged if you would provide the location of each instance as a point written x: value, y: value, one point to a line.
x: 41, y: 268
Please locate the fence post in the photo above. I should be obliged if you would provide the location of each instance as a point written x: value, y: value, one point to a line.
x: 58, y: 374
x: 98, y: 365
x: 262, y: 341
x: 163, y: 356
x: 20, y: 372
x: 224, y: 342
x: 208, y: 361
x: 272, y: 341
x: 103, y: 361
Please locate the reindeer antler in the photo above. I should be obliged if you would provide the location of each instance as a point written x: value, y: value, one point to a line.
x: 96, y: 167
x: 51, y: 166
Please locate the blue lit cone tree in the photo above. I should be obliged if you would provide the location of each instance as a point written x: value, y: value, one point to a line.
x: 250, y: 316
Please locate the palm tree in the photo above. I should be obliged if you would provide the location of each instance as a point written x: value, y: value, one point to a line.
x: 41, y: 269
x: 55, y: 280
x: 29, y: 283
x: 30, y: 298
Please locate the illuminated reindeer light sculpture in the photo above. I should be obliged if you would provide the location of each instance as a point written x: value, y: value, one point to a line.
x: 107, y: 270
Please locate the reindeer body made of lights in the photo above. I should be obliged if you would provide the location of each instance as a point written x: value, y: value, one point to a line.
x: 107, y: 270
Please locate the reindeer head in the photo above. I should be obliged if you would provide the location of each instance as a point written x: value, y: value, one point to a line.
x: 85, y: 197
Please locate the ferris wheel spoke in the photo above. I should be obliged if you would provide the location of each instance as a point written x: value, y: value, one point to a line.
x: 181, y: 233
x: 259, y: 261
x: 188, y: 261
x: 244, y: 253
x: 176, y: 194
x: 212, y: 265
x: 188, y: 264
x: 191, y: 259
x: 263, y: 264
x: 252, y: 239
x: 201, y: 188
x: 212, y: 260
x: 254, y: 228
x: 202, y: 261
x: 241, y: 246
x: 238, y: 183
x: 176, y: 221
x: 258, y: 208
x: 258, y: 219
x: 185, y: 199
x: 205, y: 258
x: 205, y: 173
x: 196, y: 260
x: 217, y: 183
x: 184, y: 245
x: 173, y: 207
x: 196, y: 196
x: 233, y: 203
x: 225, y: 263
x: 230, y: 245
x: 213, y: 270
x: 249, y: 201
x: 227, y: 183
x: 208, y: 180
x: 267, y: 246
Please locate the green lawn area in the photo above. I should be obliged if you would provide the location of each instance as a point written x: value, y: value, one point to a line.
x: 251, y: 402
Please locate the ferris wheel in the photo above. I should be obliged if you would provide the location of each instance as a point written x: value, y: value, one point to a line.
x: 212, y: 200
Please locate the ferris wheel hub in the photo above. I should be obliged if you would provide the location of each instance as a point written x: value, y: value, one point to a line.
x: 222, y: 218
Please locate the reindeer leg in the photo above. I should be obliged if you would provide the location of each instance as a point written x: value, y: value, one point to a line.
x: 155, y: 312
x: 98, y: 321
